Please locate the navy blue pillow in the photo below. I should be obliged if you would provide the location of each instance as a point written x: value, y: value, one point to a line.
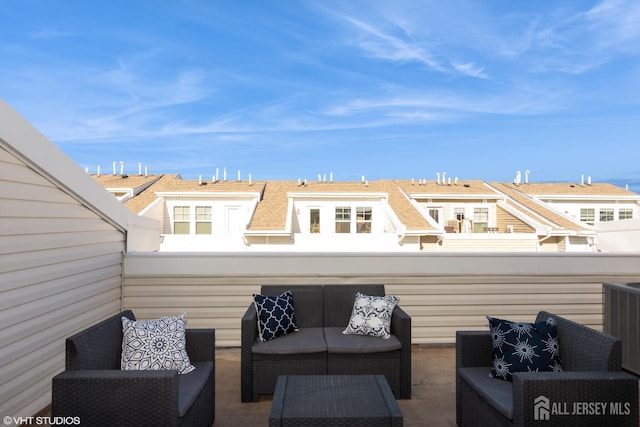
x: 275, y: 315
x: 523, y: 347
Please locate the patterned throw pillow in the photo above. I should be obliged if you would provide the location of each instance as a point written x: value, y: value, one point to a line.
x: 523, y: 347
x: 371, y: 316
x: 276, y: 315
x: 158, y: 344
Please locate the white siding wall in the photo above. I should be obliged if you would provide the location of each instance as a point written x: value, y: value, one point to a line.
x: 442, y: 292
x: 60, y: 271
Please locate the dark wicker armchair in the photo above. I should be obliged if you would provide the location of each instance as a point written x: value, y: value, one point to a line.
x: 94, y: 388
x: 319, y: 348
x: 591, y: 363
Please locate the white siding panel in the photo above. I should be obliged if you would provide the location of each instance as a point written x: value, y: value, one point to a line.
x: 60, y: 271
x: 442, y: 292
x: 35, y: 242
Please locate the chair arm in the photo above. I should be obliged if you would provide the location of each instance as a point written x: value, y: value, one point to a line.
x: 201, y: 344
x: 401, y: 326
x: 249, y: 333
x: 115, y: 397
x: 473, y: 349
x: 249, y: 326
x: 576, y: 398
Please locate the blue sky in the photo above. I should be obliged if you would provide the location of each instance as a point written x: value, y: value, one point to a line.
x: 293, y: 89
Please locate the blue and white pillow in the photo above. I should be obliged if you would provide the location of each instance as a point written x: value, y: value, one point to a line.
x: 158, y: 344
x: 371, y: 316
x: 276, y: 315
x: 523, y: 347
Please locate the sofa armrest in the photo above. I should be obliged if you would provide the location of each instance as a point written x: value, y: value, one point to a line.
x: 575, y: 398
x: 473, y: 349
x: 115, y: 397
x: 201, y: 344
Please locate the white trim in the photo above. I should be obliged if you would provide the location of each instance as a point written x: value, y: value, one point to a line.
x: 23, y: 141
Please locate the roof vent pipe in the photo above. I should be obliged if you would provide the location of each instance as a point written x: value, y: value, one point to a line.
x: 438, y: 179
x: 114, y: 168
x: 589, y: 180
x: 121, y: 167
x: 582, y: 180
x: 444, y: 180
x: 456, y: 181
x: 526, y: 176
x: 98, y: 170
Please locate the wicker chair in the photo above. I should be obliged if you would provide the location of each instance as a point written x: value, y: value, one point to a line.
x: 94, y: 388
x: 323, y: 311
x: 592, y: 372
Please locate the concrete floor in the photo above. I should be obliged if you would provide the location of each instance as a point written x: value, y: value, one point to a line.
x: 432, y: 403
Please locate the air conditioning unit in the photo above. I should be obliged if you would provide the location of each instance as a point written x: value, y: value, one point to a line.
x: 621, y: 318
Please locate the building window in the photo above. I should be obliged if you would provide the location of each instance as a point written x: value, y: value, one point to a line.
x: 606, y: 215
x: 181, y: 219
x: 363, y: 219
x: 435, y: 214
x: 480, y: 220
x: 343, y: 220
x: 458, y: 213
x: 625, y: 213
x: 203, y: 219
x: 314, y: 220
x: 588, y: 215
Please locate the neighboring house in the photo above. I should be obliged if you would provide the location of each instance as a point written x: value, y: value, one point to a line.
x: 123, y: 186
x: 590, y: 203
x: 377, y: 216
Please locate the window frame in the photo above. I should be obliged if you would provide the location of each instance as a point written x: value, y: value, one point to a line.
x: 342, y: 217
x: 363, y: 225
x: 180, y: 219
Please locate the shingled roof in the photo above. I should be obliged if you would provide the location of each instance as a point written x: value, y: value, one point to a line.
x: 553, y: 218
x: 272, y: 212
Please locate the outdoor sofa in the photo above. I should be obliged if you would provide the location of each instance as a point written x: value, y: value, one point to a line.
x: 591, y: 376
x: 95, y: 390
x: 320, y: 347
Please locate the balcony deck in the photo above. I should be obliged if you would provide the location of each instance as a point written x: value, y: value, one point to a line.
x: 433, y: 400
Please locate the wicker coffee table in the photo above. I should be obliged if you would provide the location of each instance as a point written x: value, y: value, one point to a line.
x: 334, y: 400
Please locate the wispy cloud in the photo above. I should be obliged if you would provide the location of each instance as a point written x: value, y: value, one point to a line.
x: 50, y: 33
x: 472, y: 70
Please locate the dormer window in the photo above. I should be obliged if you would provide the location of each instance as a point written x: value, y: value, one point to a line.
x: 314, y: 220
x: 343, y: 220
x: 363, y: 219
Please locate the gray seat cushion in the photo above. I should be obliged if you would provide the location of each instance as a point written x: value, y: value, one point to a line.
x: 498, y: 393
x: 306, y: 340
x: 190, y: 385
x: 337, y: 342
